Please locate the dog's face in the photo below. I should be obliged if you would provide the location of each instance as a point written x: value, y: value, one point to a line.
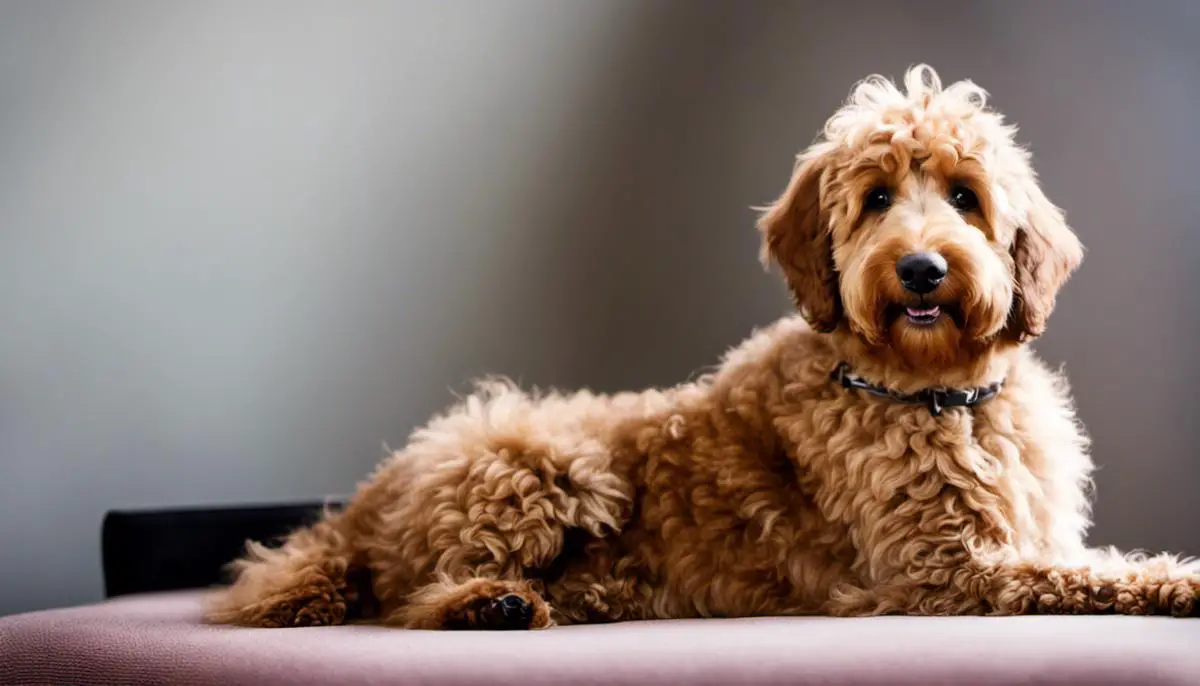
x: 916, y: 223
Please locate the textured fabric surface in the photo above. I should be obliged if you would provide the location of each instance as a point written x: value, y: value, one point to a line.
x: 158, y: 639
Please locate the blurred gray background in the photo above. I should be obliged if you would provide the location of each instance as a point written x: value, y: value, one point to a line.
x: 243, y: 244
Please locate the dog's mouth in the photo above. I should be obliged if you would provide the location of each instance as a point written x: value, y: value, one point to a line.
x: 923, y: 316
x: 926, y: 314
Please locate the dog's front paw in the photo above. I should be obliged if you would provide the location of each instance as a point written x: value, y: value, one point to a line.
x: 1176, y: 597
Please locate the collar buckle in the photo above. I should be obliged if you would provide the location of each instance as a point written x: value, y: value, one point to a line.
x: 937, y: 400
x: 839, y: 375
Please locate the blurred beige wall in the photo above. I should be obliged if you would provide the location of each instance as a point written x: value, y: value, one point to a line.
x: 244, y: 244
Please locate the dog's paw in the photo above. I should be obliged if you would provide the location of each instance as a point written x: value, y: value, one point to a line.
x: 1178, y: 598
x: 506, y: 613
x: 1183, y: 597
x: 500, y: 609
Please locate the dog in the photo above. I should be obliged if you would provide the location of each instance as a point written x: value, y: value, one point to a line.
x: 894, y: 447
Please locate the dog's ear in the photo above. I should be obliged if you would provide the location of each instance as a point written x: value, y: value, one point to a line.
x: 1045, y: 252
x: 796, y: 236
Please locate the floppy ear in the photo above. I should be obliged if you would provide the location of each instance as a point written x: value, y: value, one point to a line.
x: 1045, y: 253
x: 796, y: 236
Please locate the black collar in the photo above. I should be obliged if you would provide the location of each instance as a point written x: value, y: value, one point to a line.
x: 934, y: 398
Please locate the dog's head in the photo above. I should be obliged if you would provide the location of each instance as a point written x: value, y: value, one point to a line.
x: 916, y: 223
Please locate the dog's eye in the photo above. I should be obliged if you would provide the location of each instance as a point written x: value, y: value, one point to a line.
x: 963, y: 199
x: 877, y: 199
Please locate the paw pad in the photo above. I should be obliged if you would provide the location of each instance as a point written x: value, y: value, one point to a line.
x: 506, y: 613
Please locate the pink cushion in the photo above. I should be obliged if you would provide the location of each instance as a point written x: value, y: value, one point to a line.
x: 158, y: 638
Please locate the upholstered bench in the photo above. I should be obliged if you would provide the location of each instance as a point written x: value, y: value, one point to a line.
x: 157, y: 637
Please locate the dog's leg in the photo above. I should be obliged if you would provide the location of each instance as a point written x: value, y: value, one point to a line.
x: 941, y: 559
x: 488, y: 604
x: 597, y: 600
x: 492, y: 507
x: 601, y: 584
x: 1111, y: 585
x: 302, y: 583
x: 1160, y: 585
x: 506, y: 525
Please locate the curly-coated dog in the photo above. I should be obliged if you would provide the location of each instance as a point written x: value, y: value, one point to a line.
x: 896, y: 448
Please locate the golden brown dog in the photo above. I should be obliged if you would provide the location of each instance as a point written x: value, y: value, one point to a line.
x: 896, y: 449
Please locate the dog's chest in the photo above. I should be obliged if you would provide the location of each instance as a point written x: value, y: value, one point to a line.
x: 876, y: 458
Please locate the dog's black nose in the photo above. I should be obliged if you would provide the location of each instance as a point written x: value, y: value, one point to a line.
x: 921, y: 272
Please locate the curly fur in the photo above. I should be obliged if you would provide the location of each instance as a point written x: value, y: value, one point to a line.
x: 763, y: 488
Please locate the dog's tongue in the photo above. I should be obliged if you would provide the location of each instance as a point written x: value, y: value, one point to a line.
x: 915, y: 312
